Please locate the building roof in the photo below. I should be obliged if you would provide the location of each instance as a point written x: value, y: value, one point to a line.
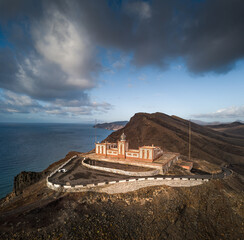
x: 149, y: 147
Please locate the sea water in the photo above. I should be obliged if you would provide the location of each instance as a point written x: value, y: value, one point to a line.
x: 33, y: 147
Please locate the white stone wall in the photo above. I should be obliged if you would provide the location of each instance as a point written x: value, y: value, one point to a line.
x: 122, y: 172
x: 124, y: 186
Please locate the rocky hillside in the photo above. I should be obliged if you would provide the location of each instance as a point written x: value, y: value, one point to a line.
x: 171, y: 133
x: 213, y: 210
x: 210, y: 211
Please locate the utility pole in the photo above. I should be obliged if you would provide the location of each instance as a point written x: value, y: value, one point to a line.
x: 190, y: 139
x: 95, y: 131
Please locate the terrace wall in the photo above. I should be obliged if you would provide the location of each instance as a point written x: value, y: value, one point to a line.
x: 122, y: 172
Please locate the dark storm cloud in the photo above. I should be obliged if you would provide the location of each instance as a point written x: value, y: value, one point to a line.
x: 51, y: 45
x: 208, y: 35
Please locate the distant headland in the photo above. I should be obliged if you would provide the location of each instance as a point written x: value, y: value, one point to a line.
x: 112, y: 125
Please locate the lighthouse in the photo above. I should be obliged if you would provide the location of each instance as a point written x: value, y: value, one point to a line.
x: 122, y: 146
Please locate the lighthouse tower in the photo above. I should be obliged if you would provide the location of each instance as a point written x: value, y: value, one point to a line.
x: 122, y: 146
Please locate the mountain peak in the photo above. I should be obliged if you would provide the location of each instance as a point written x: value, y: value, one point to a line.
x: 171, y: 133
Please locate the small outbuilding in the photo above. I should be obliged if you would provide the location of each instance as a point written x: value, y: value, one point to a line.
x: 187, y: 165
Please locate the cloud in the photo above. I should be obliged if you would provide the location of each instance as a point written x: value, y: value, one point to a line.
x: 50, y: 59
x: 11, y: 102
x: 208, y: 35
x: 64, y: 43
x: 52, y: 46
x: 58, y: 63
x: 231, y: 112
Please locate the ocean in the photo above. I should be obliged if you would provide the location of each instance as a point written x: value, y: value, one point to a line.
x: 33, y: 147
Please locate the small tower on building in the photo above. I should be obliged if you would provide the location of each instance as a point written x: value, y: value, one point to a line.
x: 122, y: 146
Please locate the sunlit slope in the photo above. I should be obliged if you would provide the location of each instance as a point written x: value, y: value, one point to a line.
x: 171, y: 133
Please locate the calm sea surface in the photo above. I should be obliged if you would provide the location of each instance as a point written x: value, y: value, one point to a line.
x: 33, y: 147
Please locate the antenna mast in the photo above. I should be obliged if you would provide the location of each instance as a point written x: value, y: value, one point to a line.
x: 190, y: 139
x: 95, y: 131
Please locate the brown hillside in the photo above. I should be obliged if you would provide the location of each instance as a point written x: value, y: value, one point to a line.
x: 171, y: 134
x: 213, y: 210
x: 235, y: 128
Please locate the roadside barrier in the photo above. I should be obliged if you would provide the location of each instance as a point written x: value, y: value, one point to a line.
x: 93, y: 186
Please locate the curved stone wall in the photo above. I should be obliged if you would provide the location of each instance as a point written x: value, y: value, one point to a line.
x: 122, y: 172
x: 128, y: 185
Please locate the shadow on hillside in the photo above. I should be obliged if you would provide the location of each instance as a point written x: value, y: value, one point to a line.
x: 198, y: 171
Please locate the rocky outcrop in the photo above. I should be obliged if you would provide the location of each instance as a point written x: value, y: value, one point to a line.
x: 25, y: 179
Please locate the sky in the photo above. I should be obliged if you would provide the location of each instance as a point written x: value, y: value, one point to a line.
x: 79, y: 61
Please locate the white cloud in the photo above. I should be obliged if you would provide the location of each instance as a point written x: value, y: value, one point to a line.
x: 11, y: 102
x: 63, y: 42
x: 231, y: 112
x: 55, y: 69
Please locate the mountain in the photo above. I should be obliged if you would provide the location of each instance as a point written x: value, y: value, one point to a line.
x: 171, y: 133
x: 235, y: 128
x: 111, y: 126
x: 213, y: 210
x: 199, y: 122
x: 226, y: 125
